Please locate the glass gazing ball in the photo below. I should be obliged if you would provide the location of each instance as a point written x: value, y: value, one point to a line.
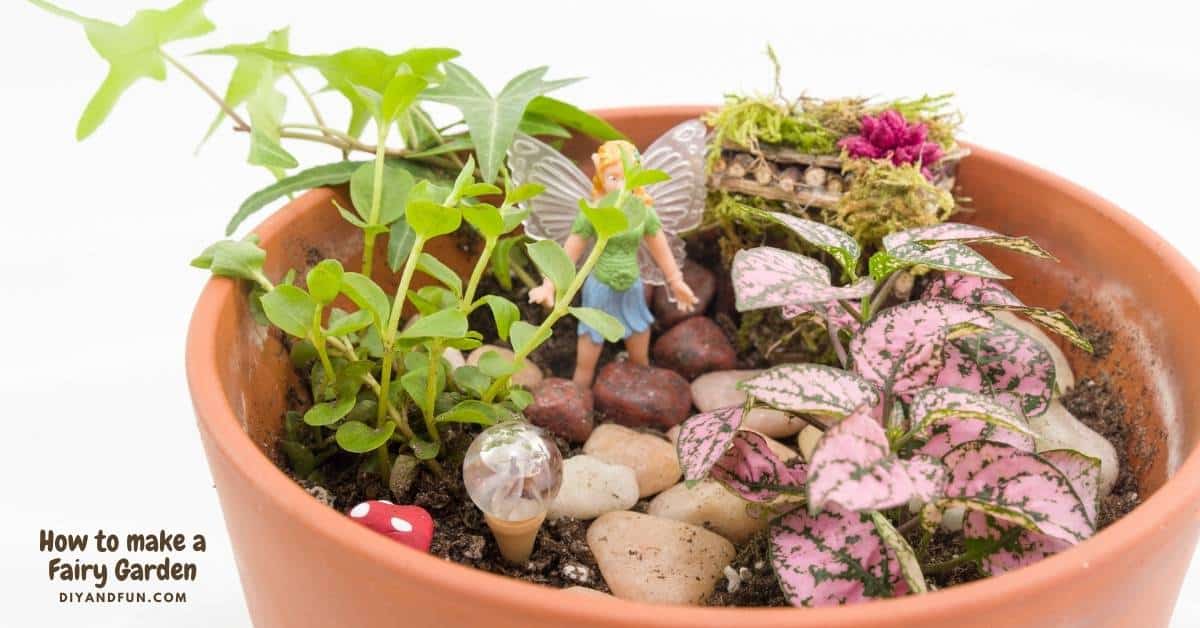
x: 512, y: 471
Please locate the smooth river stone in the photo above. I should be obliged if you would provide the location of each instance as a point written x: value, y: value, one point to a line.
x: 709, y: 505
x: 592, y: 487
x: 1064, y: 377
x: 806, y: 441
x: 656, y: 560
x: 1059, y: 429
x: 652, y: 458
x: 719, y: 390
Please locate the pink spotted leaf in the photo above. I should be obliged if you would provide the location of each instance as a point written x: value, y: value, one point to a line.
x: 1083, y: 471
x: 947, y: 256
x: 1005, y: 546
x: 833, y: 558
x: 830, y: 312
x: 704, y: 438
x: 766, y: 277
x: 948, y: 417
x: 901, y: 349
x: 1018, y: 487
x: 1004, y: 363
x: 811, y: 389
x: 958, y: 232
x: 853, y: 467
x: 835, y: 242
x: 751, y: 470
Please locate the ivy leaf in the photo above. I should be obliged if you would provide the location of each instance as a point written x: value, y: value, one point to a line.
x: 573, y: 117
x: 766, y: 277
x: 833, y: 558
x: 396, y: 183
x: 811, y: 389
x: 250, y: 72
x: 133, y: 51
x: 290, y: 309
x: 750, y: 469
x: 504, y: 312
x: 839, y: 244
x: 266, y: 107
x: 601, y: 321
x: 400, y: 93
x: 442, y: 324
x: 704, y: 438
x: 853, y: 466
x: 552, y: 260
x: 491, y: 121
x: 359, y: 438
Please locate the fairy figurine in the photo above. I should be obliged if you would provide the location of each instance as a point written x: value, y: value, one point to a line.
x: 650, y: 252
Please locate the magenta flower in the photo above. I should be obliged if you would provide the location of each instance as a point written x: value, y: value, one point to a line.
x: 890, y: 136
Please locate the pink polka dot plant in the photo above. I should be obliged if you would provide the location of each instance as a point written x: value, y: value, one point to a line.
x: 925, y: 423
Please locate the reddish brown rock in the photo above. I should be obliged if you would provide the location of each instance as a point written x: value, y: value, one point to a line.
x: 702, y: 282
x: 640, y: 396
x: 563, y: 408
x: 694, y: 347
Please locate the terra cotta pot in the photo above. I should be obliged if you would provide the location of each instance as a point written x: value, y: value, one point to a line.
x: 303, y: 564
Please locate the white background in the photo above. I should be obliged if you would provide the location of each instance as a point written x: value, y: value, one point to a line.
x: 96, y: 291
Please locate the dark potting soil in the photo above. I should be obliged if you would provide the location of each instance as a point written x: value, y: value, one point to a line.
x: 561, y: 557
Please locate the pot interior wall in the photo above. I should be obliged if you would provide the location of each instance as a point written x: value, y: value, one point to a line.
x: 1104, y: 278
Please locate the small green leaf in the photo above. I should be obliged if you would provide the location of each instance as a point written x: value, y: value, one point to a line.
x: 401, y: 240
x: 552, y: 260
x: 350, y: 323
x: 359, y: 438
x: 523, y: 337
x: 300, y: 458
x: 415, y: 381
x: 302, y: 353
x: 607, y: 221
x: 573, y: 117
x: 367, y: 295
x: 502, y: 259
x: 495, y: 365
x: 523, y: 192
x: 399, y: 94
x: 396, y: 184
x: 328, y: 413
x: 250, y: 72
x: 472, y: 379
x: 429, y: 219
x: 466, y: 177
x: 480, y: 189
x: 443, y: 324
x: 423, y: 449
x: 266, y: 109
x: 325, y: 280
x: 601, y: 321
x: 520, y: 398
x: 290, y: 309
x: 504, y: 312
x: 469, y: 411
x: 434, y: 267
x: 642, y: 178
x: 240, y: 259
x: 486, y: 219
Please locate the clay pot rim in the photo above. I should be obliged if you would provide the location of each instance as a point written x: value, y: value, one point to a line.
x: 215, y: 416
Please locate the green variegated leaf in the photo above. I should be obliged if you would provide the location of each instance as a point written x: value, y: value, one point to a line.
x: 910, y: 567
x: 841, y: 245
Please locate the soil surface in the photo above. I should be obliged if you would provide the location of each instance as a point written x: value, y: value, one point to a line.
x: 561, y: 557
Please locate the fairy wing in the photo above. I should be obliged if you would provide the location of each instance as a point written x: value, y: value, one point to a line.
x: 679, y: 201
x: 552, y: 212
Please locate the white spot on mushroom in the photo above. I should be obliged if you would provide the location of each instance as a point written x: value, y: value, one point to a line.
x: 401, y: 525
x: 360, y: 511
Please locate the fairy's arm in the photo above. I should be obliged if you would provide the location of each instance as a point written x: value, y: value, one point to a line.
x: 660, y: 250
x: 544, y: 294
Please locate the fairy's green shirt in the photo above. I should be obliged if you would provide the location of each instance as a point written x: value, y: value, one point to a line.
x: 618, y: 266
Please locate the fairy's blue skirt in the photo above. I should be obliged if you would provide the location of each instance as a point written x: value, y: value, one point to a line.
x: 627, y: 306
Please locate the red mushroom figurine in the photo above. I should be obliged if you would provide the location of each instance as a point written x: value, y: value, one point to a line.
x: 410, y: 525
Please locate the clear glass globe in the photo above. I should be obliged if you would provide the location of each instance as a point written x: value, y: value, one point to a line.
x: 512, y: 471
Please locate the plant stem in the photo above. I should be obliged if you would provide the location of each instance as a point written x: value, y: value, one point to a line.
x: 239, y: 122
x: 835, y: 341
x: 427, y: 409
x: 522, y: 275
x: 369, y: 234
x: 881, y: 294
x: 312, y: 106
x: 389, y: 334
x: 559, y: 310
x: 318, y: 339
x: 476, y: 274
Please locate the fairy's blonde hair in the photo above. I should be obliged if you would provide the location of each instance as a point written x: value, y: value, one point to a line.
x: 610, y: 153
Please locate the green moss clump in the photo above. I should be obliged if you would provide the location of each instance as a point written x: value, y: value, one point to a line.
x: 885, y: 198
x: 745, y: 121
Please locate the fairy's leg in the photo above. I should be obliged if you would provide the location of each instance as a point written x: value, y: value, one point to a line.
x: 587, y: 353
x: 638, y: 346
